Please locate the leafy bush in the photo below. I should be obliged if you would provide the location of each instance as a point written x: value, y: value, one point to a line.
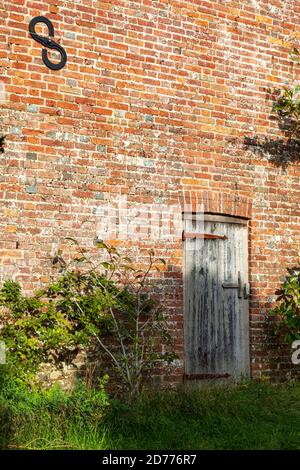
x: 287, y: 313
x: 82, y: 402
x: 34, y: 331
x: 288, y: 107
x: 248, y: 416
x: 109, y: 303
x: 287, y: 104
x: 20, y: 404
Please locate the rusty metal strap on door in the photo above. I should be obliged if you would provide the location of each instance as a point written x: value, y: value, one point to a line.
x: 205, y: 376
x: 210, y: 236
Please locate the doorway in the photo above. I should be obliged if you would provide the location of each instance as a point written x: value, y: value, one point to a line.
x: 216, y: 297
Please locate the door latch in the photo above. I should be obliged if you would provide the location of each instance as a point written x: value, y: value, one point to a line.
x: 233, y: 285
x: 242, y: 291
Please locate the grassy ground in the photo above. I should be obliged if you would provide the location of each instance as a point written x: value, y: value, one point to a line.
x: 250, y: 416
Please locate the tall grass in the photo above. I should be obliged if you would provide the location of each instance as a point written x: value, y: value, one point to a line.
x: 249, y: 416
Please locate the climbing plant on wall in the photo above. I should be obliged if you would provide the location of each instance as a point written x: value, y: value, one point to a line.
x: 108, y: 301
x: 287, y: 310
x: 284, y: 149
x: 287, y: 104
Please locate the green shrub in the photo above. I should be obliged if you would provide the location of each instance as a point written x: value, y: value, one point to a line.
x: 287, y: 107
x: 110, y: 303
x: 25, y: 409
x: 287, y: 313
x: 34, y: 331
x: 81, y: 403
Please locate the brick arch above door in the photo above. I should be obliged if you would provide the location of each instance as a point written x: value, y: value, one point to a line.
x: 217, y: 202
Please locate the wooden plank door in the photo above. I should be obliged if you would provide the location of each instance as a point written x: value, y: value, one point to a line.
x: 216, y: 298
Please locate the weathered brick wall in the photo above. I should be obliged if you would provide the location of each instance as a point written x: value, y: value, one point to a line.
x: 154, y: 104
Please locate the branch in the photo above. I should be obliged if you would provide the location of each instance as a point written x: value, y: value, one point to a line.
x: 110, y: 354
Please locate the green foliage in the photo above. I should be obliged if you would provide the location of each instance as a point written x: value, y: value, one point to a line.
x: 21, y: 405
x: 288, y: 107
x: 249, y: 416
x: 287, y: 104
x: 109, y: 303
x: 34, y: 331
x: 287, y: 313
x: 83, y: 402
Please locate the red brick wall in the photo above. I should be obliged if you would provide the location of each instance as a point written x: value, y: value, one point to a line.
x: 154, y: 104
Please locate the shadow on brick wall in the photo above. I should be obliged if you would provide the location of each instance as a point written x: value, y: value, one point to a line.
x: 2, y: 141
x: 281, y: 151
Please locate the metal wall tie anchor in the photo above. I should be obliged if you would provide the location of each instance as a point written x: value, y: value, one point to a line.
x: 47, y: 42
